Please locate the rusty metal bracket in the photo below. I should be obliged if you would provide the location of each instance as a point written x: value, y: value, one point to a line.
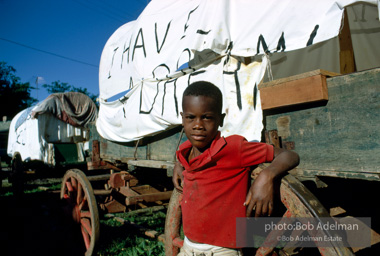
x: 271, y: 137
x: 290, y: 145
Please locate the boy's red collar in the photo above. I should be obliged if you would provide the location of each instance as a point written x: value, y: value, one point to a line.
x: 216, y: 145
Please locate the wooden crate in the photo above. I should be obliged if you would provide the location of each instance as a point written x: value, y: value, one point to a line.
x: 300, y: 89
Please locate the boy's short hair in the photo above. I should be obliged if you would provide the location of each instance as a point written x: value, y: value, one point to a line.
x: 203, y: 88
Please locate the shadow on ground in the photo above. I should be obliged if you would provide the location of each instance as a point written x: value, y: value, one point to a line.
x: 35, y: 224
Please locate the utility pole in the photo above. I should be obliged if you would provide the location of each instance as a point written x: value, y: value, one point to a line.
x: 36, y: 82
x: 37, y: 87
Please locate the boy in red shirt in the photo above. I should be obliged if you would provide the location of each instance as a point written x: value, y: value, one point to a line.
x: 216, y: 175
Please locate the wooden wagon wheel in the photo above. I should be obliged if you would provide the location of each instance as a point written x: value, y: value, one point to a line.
x: 297, y: 199
x: 173, y: 241
x: 17, y: 175
x: 77, y: 191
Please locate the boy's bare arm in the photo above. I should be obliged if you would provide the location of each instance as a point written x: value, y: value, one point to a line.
x: 177, y: 176
x: 261, y: 193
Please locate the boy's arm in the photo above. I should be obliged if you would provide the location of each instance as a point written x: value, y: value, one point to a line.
x: 260, y: 195
x: 177, y: 175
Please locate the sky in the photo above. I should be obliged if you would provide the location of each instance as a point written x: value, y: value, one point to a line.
x: 60, y: 40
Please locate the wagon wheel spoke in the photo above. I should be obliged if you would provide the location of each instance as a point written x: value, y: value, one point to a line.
x: 83, y: 204
x: 79, y: 194
x: 86, y: 238
x: 74, y: 183
x: 72, y: 190
x: 70, y: 193
x: 86, y: 225
x: 65, y: 190
x: 272, y: 238
x: 85, y: 214
x: 69, y: 187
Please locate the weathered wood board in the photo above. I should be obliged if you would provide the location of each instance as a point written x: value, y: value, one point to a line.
x: 342, y: 136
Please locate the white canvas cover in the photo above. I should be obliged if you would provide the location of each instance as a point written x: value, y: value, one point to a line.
x: 33, y: 138
x: 365, y: 36
x: 146, y: 64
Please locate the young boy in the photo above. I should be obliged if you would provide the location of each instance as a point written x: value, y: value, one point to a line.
x: 216, y: 175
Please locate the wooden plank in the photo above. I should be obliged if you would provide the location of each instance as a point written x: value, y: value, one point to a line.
x: 358, y: 174
x: 336, y: 211
x: 346, y: 54
x: 298, y: 77
x: 152, y: 164
x: 294, y: 92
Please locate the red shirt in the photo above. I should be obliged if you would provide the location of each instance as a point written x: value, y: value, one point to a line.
x: 215, y: 187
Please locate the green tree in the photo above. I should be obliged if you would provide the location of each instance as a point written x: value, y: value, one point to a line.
x: 59, y: 87
x: 14, y: 95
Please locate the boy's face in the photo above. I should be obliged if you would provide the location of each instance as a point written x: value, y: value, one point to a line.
x: 201, y: 120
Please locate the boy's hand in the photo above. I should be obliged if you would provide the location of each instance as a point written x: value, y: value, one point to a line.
x: 260, y: 195
x: 178, y: 176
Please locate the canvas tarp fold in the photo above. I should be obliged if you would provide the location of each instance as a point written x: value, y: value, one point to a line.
x: 74, y: 108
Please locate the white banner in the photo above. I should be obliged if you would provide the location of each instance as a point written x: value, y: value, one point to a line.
x: 176, y: 42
